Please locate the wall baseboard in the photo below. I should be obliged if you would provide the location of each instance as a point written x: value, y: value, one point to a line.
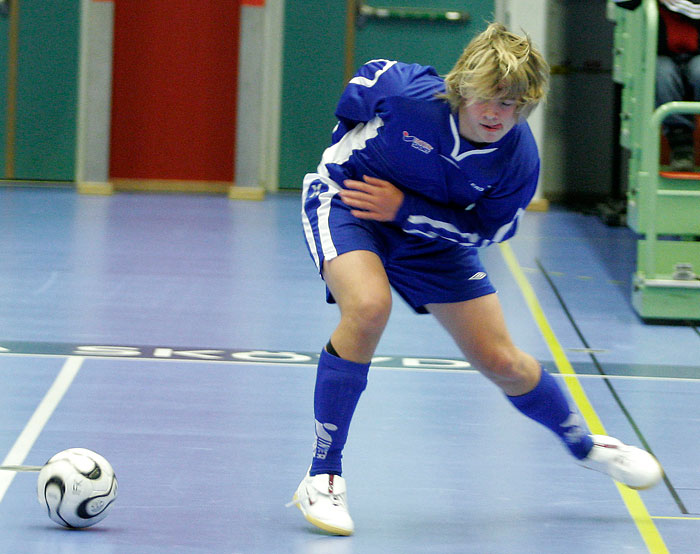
x: 95, y: 187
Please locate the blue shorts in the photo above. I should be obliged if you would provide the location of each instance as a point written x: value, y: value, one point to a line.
x: 420, y: 269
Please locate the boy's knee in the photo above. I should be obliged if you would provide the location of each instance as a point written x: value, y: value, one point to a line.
x: 372, y: 312
x: 512, y: 370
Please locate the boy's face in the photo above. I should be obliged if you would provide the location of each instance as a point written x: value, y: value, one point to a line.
x: 487, y: 120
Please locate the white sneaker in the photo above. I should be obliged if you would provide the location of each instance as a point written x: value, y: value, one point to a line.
x: 323, y: 501
x: 629, y: 465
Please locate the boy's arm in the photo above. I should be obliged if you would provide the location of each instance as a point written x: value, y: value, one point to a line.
x: 491, y: 219
x: 380, y: 79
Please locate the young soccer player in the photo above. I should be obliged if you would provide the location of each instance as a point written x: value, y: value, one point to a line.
x: 421, y: 171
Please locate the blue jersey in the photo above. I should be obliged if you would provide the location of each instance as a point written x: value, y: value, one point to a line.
x: 391, y: 125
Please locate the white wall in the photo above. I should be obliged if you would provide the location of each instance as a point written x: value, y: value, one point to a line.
x: 574, y: 129
x: 259, y: 96
x: 528, y: 16
x: 94, y: 94
x: 579, y: 144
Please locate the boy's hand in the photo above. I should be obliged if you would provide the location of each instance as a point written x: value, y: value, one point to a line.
x: 372, y: 198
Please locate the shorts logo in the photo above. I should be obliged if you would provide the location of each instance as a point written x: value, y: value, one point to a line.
x: 314, y: 190
x: 478, y: 276
x: 417, y: 143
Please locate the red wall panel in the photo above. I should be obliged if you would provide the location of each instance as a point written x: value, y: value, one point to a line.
x: 174, y: 89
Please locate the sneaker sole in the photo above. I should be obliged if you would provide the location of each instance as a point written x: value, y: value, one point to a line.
x: 322, y: 525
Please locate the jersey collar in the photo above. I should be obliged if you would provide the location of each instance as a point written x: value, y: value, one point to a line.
x: 456, y: 155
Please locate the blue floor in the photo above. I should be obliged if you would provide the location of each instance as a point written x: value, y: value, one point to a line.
x: 196, y: 322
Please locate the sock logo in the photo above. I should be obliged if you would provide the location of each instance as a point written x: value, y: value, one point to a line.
x: 323, y: 439
x: 574, y: 431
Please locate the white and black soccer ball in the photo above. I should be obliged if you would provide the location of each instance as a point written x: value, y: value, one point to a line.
x: 78, y: 487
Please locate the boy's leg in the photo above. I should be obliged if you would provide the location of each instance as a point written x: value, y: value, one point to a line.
x: 479, y: 328
x: 339, y: 384
x: 359, y: 285
x: 322, y: 494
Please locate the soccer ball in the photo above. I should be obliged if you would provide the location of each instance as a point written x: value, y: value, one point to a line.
x: 77, y: 486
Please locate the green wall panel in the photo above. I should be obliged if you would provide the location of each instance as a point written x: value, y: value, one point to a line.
x: 312, y: 80
x: 47, y: 89
x: 45, y: 110
x: 314, y: 73
x: 438, y: 43
x: 4, y: 45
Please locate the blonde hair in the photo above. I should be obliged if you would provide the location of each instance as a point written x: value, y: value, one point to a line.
x: 499, y: 64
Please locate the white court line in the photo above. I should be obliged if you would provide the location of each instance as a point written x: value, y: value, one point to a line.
x: 36, y: 423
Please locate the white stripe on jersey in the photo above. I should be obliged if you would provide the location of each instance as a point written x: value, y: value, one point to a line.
x: 498, y: 235
x: 468, y: 238
x: 354, y: 139
x: 365, y: 82
x: 434, y: 235
x: 684, y: 7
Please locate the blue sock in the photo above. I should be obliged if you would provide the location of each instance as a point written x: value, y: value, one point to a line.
x: 547, y: 405
x: 339, y: 384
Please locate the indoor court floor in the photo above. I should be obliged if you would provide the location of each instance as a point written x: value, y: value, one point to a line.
x: 177, y: 336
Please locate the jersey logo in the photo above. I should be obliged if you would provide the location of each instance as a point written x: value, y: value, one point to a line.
x: 478, y: 276
x: 417, y: 143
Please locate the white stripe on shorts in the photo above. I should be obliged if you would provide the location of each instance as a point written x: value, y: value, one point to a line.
x: 308, y: 231
x: 322, y: 215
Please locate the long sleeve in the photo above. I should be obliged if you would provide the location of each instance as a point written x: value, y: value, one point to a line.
x: 491, y: 219
x: 377, y: 80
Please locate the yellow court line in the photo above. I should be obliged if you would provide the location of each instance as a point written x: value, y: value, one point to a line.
x: 630, y: 497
